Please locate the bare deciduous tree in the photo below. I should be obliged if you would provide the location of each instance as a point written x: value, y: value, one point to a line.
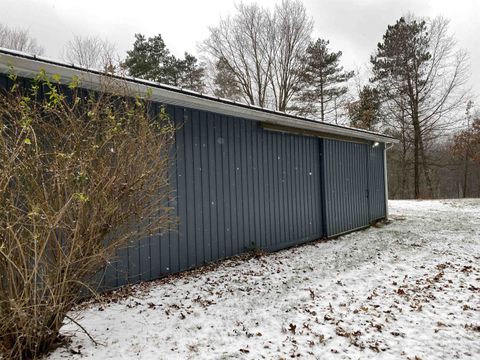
x: 292, y: 29
x: 19, y: 39
x: 244, y: 46
x: 466, y: 145
x: 364, y: 113
x: 262, y: 50
x: 224, y: 84
x: 92, y: 52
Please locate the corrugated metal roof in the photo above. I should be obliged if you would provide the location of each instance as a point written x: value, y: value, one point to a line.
x: 29, y: 65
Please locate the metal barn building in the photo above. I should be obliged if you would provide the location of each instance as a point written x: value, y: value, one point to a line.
x: 244, y: 177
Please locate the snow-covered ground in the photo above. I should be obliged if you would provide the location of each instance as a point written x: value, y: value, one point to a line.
x: 407, y: 290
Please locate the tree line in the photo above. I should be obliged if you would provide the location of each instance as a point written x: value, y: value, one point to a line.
x: 417, y: 87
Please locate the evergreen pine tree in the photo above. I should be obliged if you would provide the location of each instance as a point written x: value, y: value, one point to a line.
x: 365, y: 112
x: 191, y: 73
x: 225, y: 82
x: 401, y: 68
x: 322, y: 79
x: 150, y: 59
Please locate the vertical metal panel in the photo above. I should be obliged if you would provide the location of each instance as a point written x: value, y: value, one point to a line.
x: 278, y: 220
x: 299, y: 187
x: 303, y: 218
x: 268, y: 161
x: 109, y: 276
x: 205, y: 187
x: 213, y: 203
x: 154, y: 256
x: 144, y: 258
x: 273, y: 179
x: 248, y: 182
x: 200, y: 242
x: 278, y: 189
x: 191, y: 233
x: 3, y: 82
x: 121, y: 266
x: 219, y: 152
x: 229, y: 183
x: 296, y: 192
x: 267, y: 145
x: 169, y: 243
x: 237, y: 203
x: 180, y: 142
x: 311, y: 166
x: 315, y: 198
x: 323, y: 180
x: 241, y: 182
x: 255, y: 184
x: 281, y: 188
x: 346, y: 185
x: 134, y: 270
x: 376, y: 182
x: 287, y: 189
x: 262, y: 182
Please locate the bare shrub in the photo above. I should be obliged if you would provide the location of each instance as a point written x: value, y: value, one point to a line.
x: 81, y: 175
x: 261, y: 51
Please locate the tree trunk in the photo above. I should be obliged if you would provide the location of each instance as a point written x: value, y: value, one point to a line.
x: 404, y: 169
x: 403, y: 159
x: 322, y: 109
x: 416, y: 158
x: 426, y: 170
x: 417, y: 135
x: 336, y: 111
x: 478, y: 182
x: 465, y: 177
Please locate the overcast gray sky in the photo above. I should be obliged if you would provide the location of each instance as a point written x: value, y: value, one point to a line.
x: 353, y: 26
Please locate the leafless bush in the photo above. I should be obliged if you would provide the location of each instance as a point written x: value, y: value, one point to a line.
x: 81, y: 175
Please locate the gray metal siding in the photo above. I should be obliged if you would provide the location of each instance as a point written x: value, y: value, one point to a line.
x: 376, y: 183
x: 346, y: 185
x: 238, y: 187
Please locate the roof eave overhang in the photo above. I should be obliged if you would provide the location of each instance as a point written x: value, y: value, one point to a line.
x: 29, y: 68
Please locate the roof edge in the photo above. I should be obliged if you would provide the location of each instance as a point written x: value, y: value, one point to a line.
x: 29, y: 65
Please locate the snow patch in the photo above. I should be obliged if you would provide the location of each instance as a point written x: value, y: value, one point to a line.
x: 404, y: 290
